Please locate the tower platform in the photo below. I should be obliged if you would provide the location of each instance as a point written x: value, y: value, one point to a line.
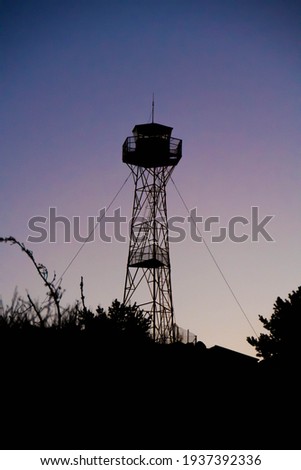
x: 151, y: 145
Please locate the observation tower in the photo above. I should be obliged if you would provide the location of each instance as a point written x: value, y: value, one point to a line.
x: 151, y: 153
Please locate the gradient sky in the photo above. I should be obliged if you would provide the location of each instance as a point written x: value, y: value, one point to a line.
x: 77, y: 75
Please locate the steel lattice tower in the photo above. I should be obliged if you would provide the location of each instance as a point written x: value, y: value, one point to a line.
x: 151, y: 154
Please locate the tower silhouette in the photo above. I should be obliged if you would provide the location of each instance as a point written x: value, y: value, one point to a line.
x: 151, y: 154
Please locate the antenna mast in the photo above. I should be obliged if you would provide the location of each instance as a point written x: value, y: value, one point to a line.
x: 153, y: 108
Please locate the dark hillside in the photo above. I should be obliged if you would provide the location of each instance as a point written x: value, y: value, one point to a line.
x: 63, y: 389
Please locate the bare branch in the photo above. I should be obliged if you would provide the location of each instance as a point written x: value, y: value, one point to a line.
x: 82, y: 294
x: 55, y: 292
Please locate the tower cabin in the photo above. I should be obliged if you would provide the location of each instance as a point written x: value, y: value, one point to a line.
x: 151, y: 146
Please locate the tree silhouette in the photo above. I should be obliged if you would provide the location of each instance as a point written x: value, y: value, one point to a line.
x: 282, y: 343
x: 129, y: 321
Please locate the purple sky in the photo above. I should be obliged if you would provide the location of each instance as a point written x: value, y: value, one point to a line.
x: 77, y: 75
